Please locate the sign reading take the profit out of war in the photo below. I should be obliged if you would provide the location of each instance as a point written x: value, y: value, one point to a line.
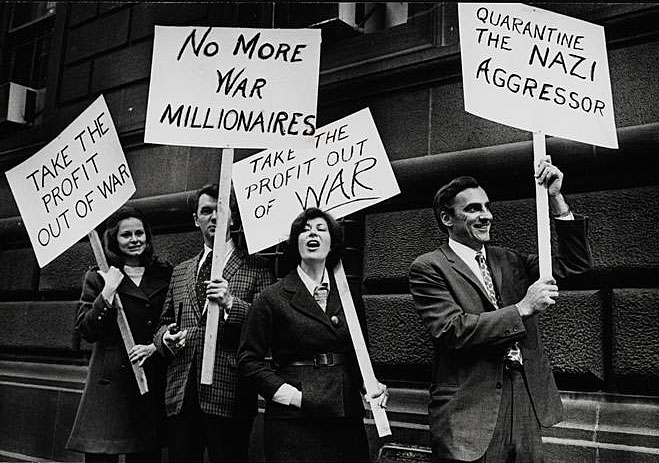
x: 537, y: 70
x: 346, y: 170
x: 72, y: 184
x: 233, y: 87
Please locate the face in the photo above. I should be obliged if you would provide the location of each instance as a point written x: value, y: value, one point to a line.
x: 131, y: 237
x: 315, y: 241
x: 471, y: 219
x: 206, y: 217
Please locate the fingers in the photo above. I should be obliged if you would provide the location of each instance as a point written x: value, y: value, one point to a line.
x: 546, y: 172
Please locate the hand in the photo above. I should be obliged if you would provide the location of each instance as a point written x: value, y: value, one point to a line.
x: 218, y: 290
x: 112, y: 279
x: 539, y: 296
x: 174, y: 341
x: 550, y: 176
x: 379, y: 397
x: 139, y: 353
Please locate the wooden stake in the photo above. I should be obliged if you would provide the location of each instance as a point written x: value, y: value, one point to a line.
x: 217, y: 267
x: 365, y: 366
x: 122, y: 321
x: 542, y: 209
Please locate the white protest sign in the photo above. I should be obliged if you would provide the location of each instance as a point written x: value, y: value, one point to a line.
x: 346, y: 170
x: 72, y: 184
x: 233, y: 87
x: 538, y: 71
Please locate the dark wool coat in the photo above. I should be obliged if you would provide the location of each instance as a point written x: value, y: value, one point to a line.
x: 247, y: 277
x: 471, y: 337
x: 286, y: 321
x: 113, y: 417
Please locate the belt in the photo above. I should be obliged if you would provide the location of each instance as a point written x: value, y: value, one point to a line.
x: 319, y: 360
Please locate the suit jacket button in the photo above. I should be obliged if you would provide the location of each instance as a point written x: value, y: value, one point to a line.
x: 507, y: 332
x: 149, y: 323
x: 498, y: 385
x: 514, y: 329
x: 335, y: 320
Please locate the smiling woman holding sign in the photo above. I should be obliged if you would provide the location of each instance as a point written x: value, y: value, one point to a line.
x: 113, y: 418
x: 314, y: 410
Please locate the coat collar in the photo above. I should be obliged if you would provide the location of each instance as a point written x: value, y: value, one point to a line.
x: 155, y: 278
x: 459, y: 265
x: 304, y: 302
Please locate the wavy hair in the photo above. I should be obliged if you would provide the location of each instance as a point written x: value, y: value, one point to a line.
x: 110, y: 244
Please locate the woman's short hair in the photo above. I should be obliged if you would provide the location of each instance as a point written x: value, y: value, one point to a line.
x: 114, y: 255
x: 443, y: 200
x: 297, y: 227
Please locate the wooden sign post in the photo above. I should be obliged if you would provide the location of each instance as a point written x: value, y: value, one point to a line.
x: 542, y: 209
x: 363, y: 359
x: 212, y: 308
x: 122, y: 321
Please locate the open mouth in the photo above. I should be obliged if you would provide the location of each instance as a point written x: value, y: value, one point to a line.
x: 313, y: 244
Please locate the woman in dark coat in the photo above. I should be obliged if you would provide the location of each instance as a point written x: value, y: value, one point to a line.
x: 113, y: 418
x: 314, y: 409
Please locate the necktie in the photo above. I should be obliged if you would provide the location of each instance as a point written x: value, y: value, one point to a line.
x: 204, y: 275
x: 487, y: 278
x: 320, y: 295
x: 513, y: 357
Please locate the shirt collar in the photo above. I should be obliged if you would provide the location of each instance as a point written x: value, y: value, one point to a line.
x: 465, y: 252
x: 309, y: 283
x: 229, y: 247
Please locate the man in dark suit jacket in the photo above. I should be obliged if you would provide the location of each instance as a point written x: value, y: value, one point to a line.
x: 492, y: 386
x: 217, y: 416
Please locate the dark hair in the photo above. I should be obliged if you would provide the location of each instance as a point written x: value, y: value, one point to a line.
x: 443, y: 200
x: 110, y: 244
x: 297, y: 227
x: 213, y: 191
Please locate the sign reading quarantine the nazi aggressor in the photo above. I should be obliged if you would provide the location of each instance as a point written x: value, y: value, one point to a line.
x: 537, y: 70
x: 346, y: 170
x: 233, y: 87
x: 72, y: 184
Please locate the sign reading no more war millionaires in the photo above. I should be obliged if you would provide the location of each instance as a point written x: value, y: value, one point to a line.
x: 346, y: 170
x: 72, y: 184
x: 538, y: 71
x: 233, y: 87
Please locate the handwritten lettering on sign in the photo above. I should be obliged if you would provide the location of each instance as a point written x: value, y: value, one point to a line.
x: 345, y: 170
x: 72, y: 184
x: 537, y: 70
x: 226, y: 87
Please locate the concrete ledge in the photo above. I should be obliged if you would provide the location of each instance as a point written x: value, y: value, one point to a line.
x: 597, y: 427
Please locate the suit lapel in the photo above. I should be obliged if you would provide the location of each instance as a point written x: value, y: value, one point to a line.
x: 461, y: 267
x: 233, y: 264
x: 494, y: 262
x: 303, y: 302
x: 191, y: 282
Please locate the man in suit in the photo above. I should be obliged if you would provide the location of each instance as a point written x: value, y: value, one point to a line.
x: 217, y: 416
x: 492, y: 386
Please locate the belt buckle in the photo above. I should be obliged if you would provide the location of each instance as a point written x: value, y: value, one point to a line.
x: 325, y: 359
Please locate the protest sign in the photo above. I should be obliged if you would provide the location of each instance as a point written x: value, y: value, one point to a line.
x: 346, y: 170
x: 537, y: 70
x: 72, y: 184
x: 233, y: 87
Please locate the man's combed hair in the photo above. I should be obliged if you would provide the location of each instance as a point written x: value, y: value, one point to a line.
x: 297, y: 227
x: 444, y: 197
x: 111, y: 246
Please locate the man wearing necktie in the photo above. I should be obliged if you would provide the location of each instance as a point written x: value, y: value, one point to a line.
x: 217, y: 416
x: 492, y: 387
